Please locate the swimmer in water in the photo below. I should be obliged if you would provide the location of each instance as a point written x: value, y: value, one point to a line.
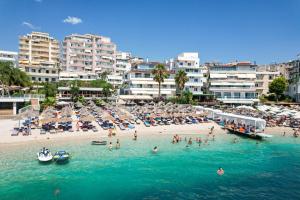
x: 135, y: 135
x: 220, y: 171
x: 155, y: 149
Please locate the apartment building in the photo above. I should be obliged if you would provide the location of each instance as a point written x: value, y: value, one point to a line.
x: 265, y: 74
x: 123, y: 62
x: 190, y: 63
x: 233, y: 83
x: 294, y: 79
x: 9, y: 56
x: 88, y: 53
x: 139, y: 81
x: 39, y: 56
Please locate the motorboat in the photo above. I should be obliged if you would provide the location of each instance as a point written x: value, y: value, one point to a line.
x: 44, y: 155
x: 97, y: 142
x: 61, y: 157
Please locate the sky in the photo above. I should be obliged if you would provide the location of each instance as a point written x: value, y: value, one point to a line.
x: 264, y: 31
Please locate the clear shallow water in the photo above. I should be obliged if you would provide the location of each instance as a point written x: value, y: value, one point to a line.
x: 268, y: 170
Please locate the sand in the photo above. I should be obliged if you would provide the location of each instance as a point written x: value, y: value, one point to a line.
x: 6, y: 127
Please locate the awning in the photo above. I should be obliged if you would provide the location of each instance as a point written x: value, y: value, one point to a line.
x: 135, y: 97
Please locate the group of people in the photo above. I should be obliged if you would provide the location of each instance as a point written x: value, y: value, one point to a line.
x: 118, y: 145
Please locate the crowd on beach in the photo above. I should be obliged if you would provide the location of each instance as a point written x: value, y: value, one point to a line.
x: 274, y: 115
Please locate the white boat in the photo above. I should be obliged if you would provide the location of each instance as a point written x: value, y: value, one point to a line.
x: 44, y: 155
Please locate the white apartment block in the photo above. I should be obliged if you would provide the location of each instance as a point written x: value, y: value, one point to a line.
x: 140, y: 82
x: 294, y: 79
x: 39, y: 56
x: 123, y: 62
x: 264, y: 76
x: 9, y: 56
x: 190, y: 63
x: 233, y: 83
x: 88, y: 53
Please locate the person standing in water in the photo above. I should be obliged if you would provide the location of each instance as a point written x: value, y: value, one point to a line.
x: 135, y: 135
x: 110, y: 146
x: 118, y: 144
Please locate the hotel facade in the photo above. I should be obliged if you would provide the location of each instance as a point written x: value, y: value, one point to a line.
x: 233, y: 83
x: 190, y: 63
x: 39, y: 55
x: 88, y: 53
x: 139, y: 81
x: 9, y: 56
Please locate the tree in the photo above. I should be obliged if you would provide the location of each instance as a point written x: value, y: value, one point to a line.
x: 160, y: 74
x: 107, y: 90
x: 278, y: 86
x: 9, y: 75
x: 50, y: 89
x: 103, y: 75
x: 49, y: 101
x: 180, y: 80
x: 74, y: 90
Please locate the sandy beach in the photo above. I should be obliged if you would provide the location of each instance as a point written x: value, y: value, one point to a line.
x: 194, y: 129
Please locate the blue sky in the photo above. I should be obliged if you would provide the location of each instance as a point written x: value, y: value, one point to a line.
x: 264, y: 31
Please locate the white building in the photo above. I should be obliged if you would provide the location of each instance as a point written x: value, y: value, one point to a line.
x: 233, y: 83
x: 83, y: 76
x: 264, y: 76
x: 123, y: 62
x: 294, y: 80
x: 88, y: 53
x: 9, y: 56
x: 139, y: 81
x: 190, y: 63
x: 39, y: 56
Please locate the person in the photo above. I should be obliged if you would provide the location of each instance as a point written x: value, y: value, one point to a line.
x: 220, y: 171
x: 110, y: 146
x: 155, y: 149
x: 135, y: 135
x: 284, y: 133
x: 213, y: 139
x: 118, y: 144
x: 235, y: 140
x: 190, y: 141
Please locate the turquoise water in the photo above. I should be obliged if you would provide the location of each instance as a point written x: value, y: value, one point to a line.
x: 268, y: 170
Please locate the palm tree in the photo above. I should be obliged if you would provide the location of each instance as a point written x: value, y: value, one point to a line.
x: 160, y: 74
x: 180, y: 80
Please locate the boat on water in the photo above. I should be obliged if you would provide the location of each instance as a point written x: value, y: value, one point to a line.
x: 44, y: 155
x: 96, y: 142
x: 61, y: 157
x: 253, y: 135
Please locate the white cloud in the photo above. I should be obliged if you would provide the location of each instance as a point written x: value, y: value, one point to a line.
x: 29, y: 25
x: 72, y: 20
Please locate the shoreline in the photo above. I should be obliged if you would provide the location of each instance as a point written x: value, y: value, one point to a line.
x: 201, y: 129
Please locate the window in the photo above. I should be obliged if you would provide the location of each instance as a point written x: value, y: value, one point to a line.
x: 195, y: 89
x: 47, y: 71
x: 53, y: 72
x: 53, y: 79
x: 40, y: 79
x: 237, y: 95
x: 46, y: 79
x: 195, y: 80
x: 227, y: 94
x: 32, y: 70
x: 33, y: 78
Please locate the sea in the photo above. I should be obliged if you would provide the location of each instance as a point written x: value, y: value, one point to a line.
x: 263, y: 170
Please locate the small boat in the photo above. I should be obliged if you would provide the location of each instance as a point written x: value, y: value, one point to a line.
x: 122, y: 127
x: 96, y: 142
x: 44, y: 155
x: 147, y: 123
x: 61, y: 156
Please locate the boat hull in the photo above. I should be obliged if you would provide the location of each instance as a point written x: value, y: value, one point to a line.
x: 248, y: 135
